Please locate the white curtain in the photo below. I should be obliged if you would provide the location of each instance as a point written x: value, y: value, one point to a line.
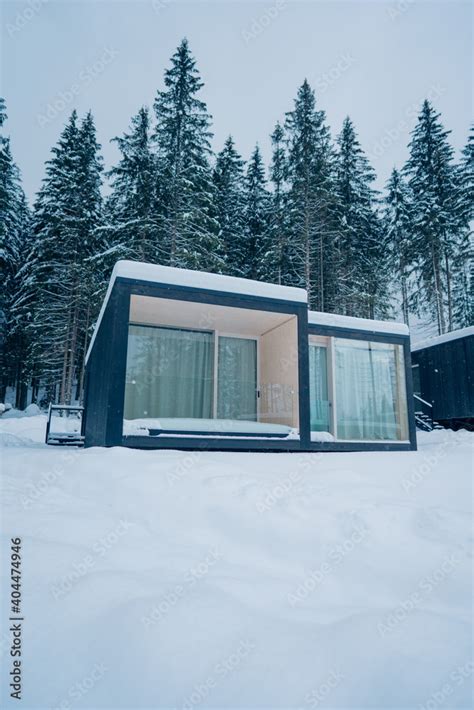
x: 237, y: 378
x: 318, y: 388
x: 169, y: 373
x: 367, y: 398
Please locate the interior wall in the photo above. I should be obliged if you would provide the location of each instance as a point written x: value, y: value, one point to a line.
x: 279, y: 375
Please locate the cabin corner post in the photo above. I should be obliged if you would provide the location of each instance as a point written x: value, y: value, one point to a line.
x: 409, y: 394
x: 117, y: 367
x: 303, y: 379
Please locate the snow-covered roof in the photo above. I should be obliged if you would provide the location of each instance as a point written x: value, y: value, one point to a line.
x: 206, y: 281
x: 196, y: 279
x: 446, y: 338
x: 375, y: 326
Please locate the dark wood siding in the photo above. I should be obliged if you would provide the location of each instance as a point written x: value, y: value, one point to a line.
x: 447, y: 378
x: 105, y: 374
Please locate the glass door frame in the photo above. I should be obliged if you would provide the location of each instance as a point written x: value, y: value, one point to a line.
x: 328, y: 343
x: 239, y: 336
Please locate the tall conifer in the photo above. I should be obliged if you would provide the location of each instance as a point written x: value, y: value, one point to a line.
x: 276, y: 267
x: 64, y: 289
x: 14, y: 239
x: 183, y: 142
x: 230, y: 206
x: 397, y: 224
x: 256, y: 216
x: 310, y: 198
x: 436, y: 227
x: 363, y: 266
x: 134, y: 209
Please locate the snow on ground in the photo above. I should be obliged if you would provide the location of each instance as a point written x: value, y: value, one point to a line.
x: 217, y: 580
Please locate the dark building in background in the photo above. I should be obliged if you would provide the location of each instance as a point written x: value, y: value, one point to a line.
x: 443, y: 378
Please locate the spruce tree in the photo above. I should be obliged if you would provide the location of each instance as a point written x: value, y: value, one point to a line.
x: 14, y: 235
x: 466, y: 179
x: 436, y: 226
x: 310, y: 200
x: 183, y: 145
x: 229, y: 204
x: 276, y: 267
x: 63, y: 286
x: 256, y: 217
x: 134, y: 216
x: 363, y: 266
x: 463, y: 289
x: 397, y: 224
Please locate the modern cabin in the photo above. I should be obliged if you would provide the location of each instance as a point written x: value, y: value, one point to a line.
x: 188, y: 360
x: 443, y: 378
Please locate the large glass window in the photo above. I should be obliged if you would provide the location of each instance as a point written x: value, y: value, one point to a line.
x: 195, y: 368
x: 318, y: 387
x: 237, y: 378
x: 370, y: 391
x: 170, y: 373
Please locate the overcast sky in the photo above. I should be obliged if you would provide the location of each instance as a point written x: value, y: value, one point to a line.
x: 375, y: 61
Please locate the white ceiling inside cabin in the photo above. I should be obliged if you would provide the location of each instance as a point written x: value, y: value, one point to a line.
x: 201, y: 316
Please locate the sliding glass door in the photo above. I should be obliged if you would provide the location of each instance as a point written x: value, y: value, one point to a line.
x: 237, y: 378
x: 170, y: 373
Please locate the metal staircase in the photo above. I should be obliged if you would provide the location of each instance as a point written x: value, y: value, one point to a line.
x: 424, y: 415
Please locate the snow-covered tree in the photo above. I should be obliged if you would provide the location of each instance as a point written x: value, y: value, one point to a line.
x: 436, y: 225
x: 63, y: 287
x: 463, y: 262
x: 397, y: 224
x: 230, y: 205
x: 11, y: 197
x: 363, y: 267
x: 275, y: 266
x: 182, y: 137
x: 134, y: 216
x: 256, y: 218
x: 310, y: 199
x: 3, y: 111
x: 466, y: 178
x: 14, y: 236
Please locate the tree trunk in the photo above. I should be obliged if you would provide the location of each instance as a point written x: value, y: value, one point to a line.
x: 438, y: 293
x: 83, y: 365
x: 62, y: 391
x: 72, y: 357
x: 406, y: 317
x: 448, y: 288
x: 321, y: 272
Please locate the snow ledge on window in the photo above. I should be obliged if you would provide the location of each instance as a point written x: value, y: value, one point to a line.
x: 365, y: 324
